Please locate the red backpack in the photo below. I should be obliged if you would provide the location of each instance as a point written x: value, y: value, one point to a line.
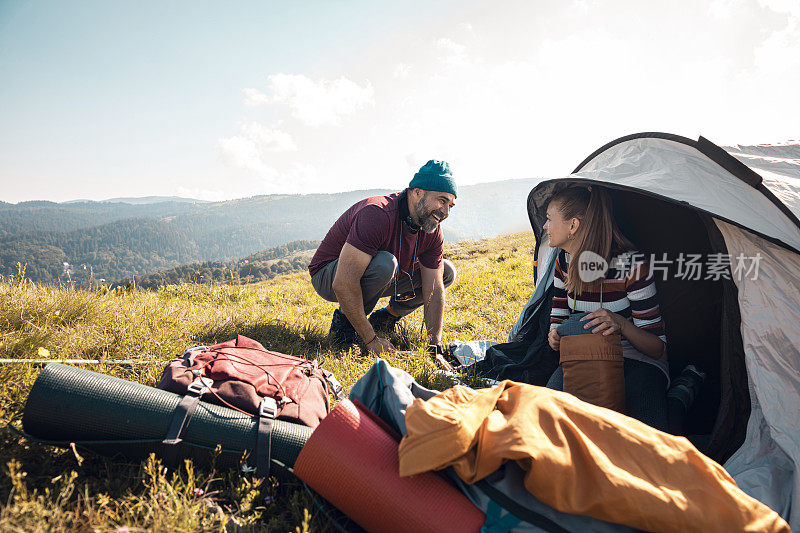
x: 241, y: 374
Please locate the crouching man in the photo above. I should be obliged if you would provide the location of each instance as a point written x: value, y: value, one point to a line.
x: 388, y: 246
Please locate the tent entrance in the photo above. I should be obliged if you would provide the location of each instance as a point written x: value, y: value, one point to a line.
x: 701, y: 316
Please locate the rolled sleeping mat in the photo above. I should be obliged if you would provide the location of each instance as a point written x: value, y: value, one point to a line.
x: 351, y: 460
x: 114, y: 416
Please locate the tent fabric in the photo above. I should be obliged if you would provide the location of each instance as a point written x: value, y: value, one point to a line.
x: 770, y: 309
x: 778, y: 165
x: 546, y: 262
x: 675, y: 171
x: 529, y: 357
x: 579, y: 458
x: 748, y: 197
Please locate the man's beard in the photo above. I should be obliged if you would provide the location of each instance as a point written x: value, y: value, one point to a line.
x: 428, y: 219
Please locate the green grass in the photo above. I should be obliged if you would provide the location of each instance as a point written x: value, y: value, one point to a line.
x: 43, y: 488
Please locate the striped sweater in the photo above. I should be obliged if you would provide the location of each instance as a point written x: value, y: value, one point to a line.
x: 629, y: 294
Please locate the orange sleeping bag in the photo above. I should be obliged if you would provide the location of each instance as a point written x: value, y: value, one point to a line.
x: 580, y: 459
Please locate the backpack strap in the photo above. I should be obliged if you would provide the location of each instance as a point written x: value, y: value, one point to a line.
x: 336, y: 387
x: 266, y: 416
x: 495, y: 524
x: 182, y: 416
x: 519, y: 513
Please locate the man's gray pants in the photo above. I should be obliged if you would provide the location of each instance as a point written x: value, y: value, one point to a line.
x: 379, y: 281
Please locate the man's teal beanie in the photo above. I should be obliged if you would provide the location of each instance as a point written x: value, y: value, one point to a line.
x: 434, y: 176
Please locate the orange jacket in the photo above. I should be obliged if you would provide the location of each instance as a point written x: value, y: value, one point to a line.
x: 580, y: 459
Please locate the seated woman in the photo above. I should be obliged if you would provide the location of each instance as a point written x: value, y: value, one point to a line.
x: 580, y: 220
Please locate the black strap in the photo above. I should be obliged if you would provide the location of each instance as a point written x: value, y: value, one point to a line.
x: 523, y: 513
x: 266, y: 416
x: 181, y: 417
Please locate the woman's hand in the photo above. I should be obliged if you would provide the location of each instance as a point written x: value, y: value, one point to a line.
x: 607, y: 322
x: 554, y: 339
x: 604, y: 321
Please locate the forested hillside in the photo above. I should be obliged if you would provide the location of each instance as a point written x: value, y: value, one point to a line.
x: 28, y: 217
x: 264, y: 265
x: 99, y: 240
x: 127, y: 247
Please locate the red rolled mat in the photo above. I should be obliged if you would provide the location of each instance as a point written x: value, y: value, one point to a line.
x: 352, y: 462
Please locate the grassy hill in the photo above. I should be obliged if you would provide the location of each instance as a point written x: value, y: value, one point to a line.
x: 45, y: 488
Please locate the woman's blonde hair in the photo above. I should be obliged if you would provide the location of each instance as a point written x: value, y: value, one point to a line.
x: 597, y: 232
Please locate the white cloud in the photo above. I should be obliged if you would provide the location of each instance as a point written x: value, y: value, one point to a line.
x: 401, y: 71
x: 248, y: 150
x: 256, y: 150
x: 267, y: 139
x: 730, y: 9
x: 780, y: 52
x: 315, y: 103
x: 253, y: 97
x: 450, y: 45
x: 790, y: 7
x: 454, y: 53
x: 243, y: 153
x: 264, y: 152
x: 724, y: 9
x: 300, y: 176
x: 580, y: 7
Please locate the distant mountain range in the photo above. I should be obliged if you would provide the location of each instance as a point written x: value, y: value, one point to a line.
x: 140, y: 201
x: 116, y: 240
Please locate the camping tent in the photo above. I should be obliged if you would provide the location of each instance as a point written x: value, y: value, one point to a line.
x: 738, y: 206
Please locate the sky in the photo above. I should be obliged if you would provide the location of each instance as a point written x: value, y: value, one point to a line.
x: 224, y: 100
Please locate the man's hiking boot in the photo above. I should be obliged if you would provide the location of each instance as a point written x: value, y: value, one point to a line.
x: 342, y: 333
x: 383, y: 321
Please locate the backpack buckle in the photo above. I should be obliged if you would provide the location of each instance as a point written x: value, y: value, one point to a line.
x: 197, y: 387
x: 268, y: 408
x: 189, y: 353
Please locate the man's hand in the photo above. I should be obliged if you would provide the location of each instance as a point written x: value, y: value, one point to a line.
x: 378, y: 345
x: 440, y: 361
x: 554, y: 339
x: 437, y: 352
